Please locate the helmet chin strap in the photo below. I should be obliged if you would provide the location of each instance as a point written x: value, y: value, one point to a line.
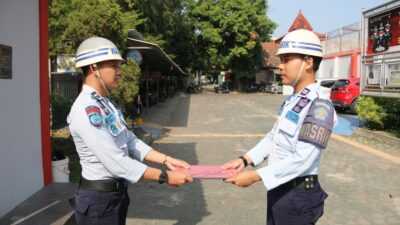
x: 98, y: 76
x: 299, y: 74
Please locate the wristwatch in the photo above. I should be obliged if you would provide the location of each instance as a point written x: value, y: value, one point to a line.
x: 163, y: 176
x: 244, y: 161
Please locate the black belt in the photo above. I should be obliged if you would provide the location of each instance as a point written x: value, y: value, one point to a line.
x: 306, y: 182
x: 110, y: 185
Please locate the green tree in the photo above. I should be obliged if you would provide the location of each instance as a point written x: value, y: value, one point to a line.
x: 229, y: 33
x: 128, y: 86
x: 58, y: 12
x: 167, y: 23
x: 72, y: 21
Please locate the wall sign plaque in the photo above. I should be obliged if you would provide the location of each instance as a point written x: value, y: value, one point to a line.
x: 5, y: 62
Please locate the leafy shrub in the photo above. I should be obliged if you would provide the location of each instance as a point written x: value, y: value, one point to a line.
x: 379, y: 113
x: 60, y: 107
x: 369, y: 111
x: 392, y: 110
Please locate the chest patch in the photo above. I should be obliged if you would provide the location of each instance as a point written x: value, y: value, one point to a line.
x: 303, y: 102
x: 305, y: 91
x: 114, y: 124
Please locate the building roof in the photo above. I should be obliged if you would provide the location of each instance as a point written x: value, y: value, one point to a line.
x: 301, y: 22
x: 154, y: 57
x: 269, y: 53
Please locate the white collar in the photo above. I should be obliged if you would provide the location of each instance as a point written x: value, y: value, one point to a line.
x: 310, y: 91
x: 88, y: 89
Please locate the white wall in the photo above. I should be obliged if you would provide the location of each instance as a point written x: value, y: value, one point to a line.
x: 20, y: 144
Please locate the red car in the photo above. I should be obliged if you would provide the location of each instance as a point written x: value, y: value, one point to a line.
x: 345, y: 92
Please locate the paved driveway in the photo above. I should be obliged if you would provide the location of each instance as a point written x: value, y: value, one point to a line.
x: 362, y: 183
x: 210, y: 129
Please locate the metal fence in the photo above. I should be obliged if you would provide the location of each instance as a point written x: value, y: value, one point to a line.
x: 66, y: 84
x: 343, y: 39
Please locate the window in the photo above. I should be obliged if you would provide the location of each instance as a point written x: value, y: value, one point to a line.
x: 341, y: 83
x: 394, y: 75
x: 326, y: 69
x: 373, y: 74
x: 338, y: 67
x: 342, y: 69
x: 327, y: 83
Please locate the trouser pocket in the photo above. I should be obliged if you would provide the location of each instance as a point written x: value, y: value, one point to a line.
x: 309, y: 204
x: 98, y: 208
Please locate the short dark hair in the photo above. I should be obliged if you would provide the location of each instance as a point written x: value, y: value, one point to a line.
x: 317, y: 62
x: 85, y: 71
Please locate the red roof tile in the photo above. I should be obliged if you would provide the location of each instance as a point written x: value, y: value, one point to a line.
x: 300, y: 23
x: 269, y: 53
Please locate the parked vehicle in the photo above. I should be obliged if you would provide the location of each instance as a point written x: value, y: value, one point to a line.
x: 194, y: 88
x: 222, y: 88
x: 262, y: 87
x: 326, y: 85
x: 345, y: 93
x: 252, y: 88
x: 274, y: 88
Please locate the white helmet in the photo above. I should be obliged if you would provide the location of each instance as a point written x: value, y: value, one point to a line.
x: 301, y: 41
x: 94, y: 50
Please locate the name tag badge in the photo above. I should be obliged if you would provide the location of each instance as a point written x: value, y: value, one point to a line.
x: 292, y: 116
x: 289, y: 123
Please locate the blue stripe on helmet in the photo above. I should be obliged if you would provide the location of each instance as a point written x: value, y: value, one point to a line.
x: 91, y: 52
x: 91, y: 56
x: 286, y: 44
x: 306, y: 43
x: 307, y: 48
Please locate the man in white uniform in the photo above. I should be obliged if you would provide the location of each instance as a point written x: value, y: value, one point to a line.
x: 295, y: 143
x: 104, y: 143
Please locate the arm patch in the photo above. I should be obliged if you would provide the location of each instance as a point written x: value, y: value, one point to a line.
x: 94, y: 115
x: 318, y: 124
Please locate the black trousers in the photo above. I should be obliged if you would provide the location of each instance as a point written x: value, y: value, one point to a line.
x: 100, y: 208
x: 288, y: 205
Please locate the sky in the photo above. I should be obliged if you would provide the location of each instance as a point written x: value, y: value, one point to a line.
x: 324, y: 15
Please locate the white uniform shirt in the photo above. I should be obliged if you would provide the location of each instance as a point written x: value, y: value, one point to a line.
x: 288, y: 157
x: 103, y: 141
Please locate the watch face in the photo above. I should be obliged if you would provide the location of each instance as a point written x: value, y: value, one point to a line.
x: 163, y: 177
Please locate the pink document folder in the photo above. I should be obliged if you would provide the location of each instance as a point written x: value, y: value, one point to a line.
x: 210, y: 172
